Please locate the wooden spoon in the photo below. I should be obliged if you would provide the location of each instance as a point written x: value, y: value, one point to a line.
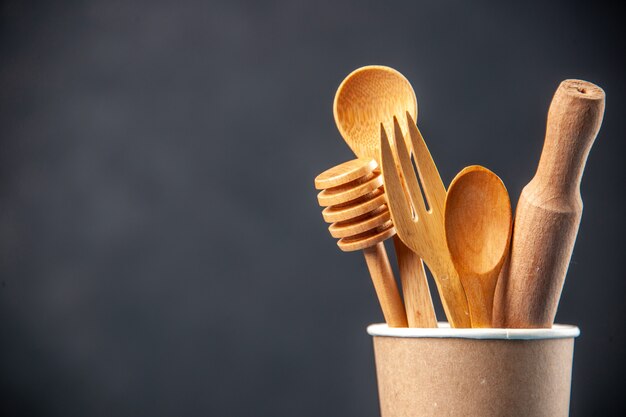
x: 478, y: 232
x: 367, y: 97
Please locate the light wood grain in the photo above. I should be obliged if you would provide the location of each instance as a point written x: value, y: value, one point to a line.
x: 368, y: 96
x: 419, y: 309
x: 422, y: 229
x: 350, y: 191
x: 345, y: 173
x: 362, y: 225
x: 478, y: 230
x: 385, y: 285
x: 549, y: 210
x: 355, y: 208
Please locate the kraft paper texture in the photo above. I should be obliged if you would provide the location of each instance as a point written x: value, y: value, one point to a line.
x: 467, y: 377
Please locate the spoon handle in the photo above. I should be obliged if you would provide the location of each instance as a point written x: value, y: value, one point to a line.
x: 417, y: 300
x: 480, y: 292
x: 385, y: 285
x: 549, y: 210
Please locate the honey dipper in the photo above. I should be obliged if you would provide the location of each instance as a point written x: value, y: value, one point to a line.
x: 355, y: 205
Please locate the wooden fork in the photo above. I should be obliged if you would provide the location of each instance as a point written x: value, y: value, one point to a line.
x: 422, y: 229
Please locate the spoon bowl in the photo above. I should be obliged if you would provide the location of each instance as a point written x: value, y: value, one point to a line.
x: 478, y: 232
x: 366, y: 97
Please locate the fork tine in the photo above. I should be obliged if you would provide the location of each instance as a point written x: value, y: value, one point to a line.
x: 434, y: 190
x: 399, y: 206
x: 408, y: 172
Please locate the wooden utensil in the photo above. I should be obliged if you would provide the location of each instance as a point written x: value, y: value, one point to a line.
x: 549, y: 210
x: 366, y: 97
x: 355, y: 205
x: 478, y: 231
x: 422, y: 229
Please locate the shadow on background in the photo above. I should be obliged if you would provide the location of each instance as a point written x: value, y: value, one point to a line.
x: 161, y: 247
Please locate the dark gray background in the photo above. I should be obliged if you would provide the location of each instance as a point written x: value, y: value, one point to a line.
x: 161, y: 247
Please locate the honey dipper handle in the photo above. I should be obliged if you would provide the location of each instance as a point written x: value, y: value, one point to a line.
x: 385, y: 285
x: 549, y: 210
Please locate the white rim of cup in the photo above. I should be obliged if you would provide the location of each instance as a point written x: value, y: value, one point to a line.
x: 558, y: 331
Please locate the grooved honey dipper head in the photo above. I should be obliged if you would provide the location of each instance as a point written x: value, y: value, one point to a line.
x: 355, y: 204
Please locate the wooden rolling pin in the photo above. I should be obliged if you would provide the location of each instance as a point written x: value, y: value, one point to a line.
x: 355, y: 205
x: 549, y: 210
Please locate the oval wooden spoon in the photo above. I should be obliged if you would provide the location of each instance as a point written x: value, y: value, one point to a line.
x: 478, y: 232
x: 366, y: 97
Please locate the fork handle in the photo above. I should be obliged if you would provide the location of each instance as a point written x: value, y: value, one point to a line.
x: 385, y: 285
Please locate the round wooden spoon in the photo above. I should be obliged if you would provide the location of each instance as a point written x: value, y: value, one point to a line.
x: 478, y: 232
x: 366, y: 97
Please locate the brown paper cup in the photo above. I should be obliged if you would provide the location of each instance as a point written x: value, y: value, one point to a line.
x: 474, y: 372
